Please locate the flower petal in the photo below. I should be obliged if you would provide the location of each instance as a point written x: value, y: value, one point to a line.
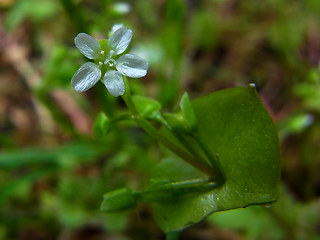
x: 115, y: 27
x: 119, y: 40
x: 86, y: 76
x: 132, y: 66
x: 87, y: 45
x: 114, y: 83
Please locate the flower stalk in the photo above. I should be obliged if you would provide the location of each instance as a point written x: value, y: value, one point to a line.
x: 192, y: 159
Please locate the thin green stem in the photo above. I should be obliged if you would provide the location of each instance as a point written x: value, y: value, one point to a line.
x: 172, y: 236
x: 169, y: 190
x: 122, y: 117
x: 156, y: 134
x: 215, y: 170
x: 214, y: 160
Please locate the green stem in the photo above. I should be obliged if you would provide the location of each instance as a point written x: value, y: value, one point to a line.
x: 156, y: 134
x: 168, y: 191
x: 215, y: 169
x: 121, y: 117
x: 214, y: 160
x: 172, y: 236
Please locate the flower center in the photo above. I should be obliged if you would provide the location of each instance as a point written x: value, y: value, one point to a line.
x: 110, y: 62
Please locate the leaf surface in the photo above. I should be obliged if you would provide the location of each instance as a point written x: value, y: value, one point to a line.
x: 235, y: 126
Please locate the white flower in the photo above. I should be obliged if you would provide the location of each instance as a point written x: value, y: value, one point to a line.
x: 112, y: 63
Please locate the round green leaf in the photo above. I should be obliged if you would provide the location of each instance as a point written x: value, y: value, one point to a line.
x: 235, y: 126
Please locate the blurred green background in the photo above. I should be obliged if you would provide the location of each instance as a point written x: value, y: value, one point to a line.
x: 54, y: 170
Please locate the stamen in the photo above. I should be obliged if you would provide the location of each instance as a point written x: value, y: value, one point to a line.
x: 102, y: 52
x: 111, y: 62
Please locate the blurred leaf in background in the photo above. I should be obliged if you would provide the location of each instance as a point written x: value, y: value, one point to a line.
x: 33, y: 10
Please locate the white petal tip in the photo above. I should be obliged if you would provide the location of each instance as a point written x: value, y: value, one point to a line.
x: 87, y: 45
x: 114, y: 83
x: 86, y: 77
x: 132, y: 66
